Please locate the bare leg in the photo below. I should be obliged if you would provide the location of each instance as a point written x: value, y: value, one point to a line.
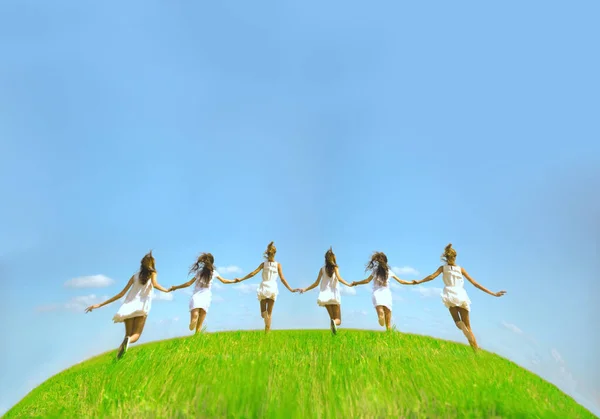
x: 138, y: 328
x: 337, y: 314
x: 128, y: 332
x: 201, y: 317
x: 380, y: 315
x: 455, y: 313
x: 194, y: 318
x: 270, y: 304
x: 128, y: 327
x: 464, y: 316
x: 388, y: 318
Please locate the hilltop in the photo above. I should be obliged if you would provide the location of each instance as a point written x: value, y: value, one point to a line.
x: 298, y: 373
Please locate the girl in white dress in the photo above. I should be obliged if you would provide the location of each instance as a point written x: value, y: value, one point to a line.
x: 329, y: 294
x: 135, y: 308
x: 267, y: 290
x: 454, y: 295
x: 204, y: 272
x: 382, y: 295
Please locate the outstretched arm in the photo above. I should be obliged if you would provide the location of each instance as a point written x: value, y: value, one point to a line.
x: 314, y: 284
x: 156, y: 285
x: 403, y: 281
x: 225, y: 281
x: 364, y: 281
x: 481, y: 287
x: 283, y: 279
x: 115, y: 298
x: 185, y: 285
x: 339, y: 277
x: 250, y: 275
x: 430, y: 277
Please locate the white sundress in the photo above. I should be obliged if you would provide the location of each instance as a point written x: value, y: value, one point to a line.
x: 454, y: 293
x: 137, y: 302
x: 329, y: 292
x: 202, y: 296
x: 382, y: 295
x: 268, y: 286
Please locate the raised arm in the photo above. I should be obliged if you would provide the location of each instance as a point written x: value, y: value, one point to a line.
x: 364, y: 281
x: 403, y: 282
x: 314, y: 284
x: 283, y: 279
x: 225, y: 281
x: 430, y: 277
x: 481, y: 287
x: 339, y: 277
x: 185, y: 285
x: 115, y: 298
x: 251, y: 274
x: 156, y: 285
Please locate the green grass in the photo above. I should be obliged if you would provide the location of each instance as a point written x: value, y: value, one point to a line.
x: 298, y: 374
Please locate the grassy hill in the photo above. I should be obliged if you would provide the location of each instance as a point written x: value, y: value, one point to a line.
x: 303, y: 373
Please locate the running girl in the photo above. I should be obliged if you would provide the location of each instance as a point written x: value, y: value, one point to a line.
x: 134, y: 310
x: 267, y: 290
x: 455, y: 296
x: 204, y: 272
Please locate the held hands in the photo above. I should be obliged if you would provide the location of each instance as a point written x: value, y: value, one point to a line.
x: 173, y: 288
x: 499, y: 293
x: 415, y: 282
x: 353, y: 284
x: 90, y: 308
x: 236, y: 280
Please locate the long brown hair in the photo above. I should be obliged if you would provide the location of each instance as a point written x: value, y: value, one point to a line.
x: 379, y: 266
x: 270, y: 252
x: 449, y: 255
x: 203, y: 268
x: 147, y: 267
x: 330, y: 263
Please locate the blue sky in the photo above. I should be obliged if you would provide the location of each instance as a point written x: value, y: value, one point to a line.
x: 190, y: 128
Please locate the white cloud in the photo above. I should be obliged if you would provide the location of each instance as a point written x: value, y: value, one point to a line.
x: 92, y: 281
x: 397, y: 298
x: 405, y: 270
x: 246, y: 288
x: 347, y: 290
x: 557, y: 357
x: 217, y: 285
x: 512, y: 328
x: 231, y: 269
x: 79, y: 303
x: 163, y: 296
x: 394, y: 285
x: 217, y: 299
x: 167, y: 321
x: 427, y: 292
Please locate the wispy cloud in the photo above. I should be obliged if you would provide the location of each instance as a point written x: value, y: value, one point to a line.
x: 347, y: 290
x: 246, y: 288
x: 427, y: 292
x: 78, y: 303
x: 405, y: 270
x: 228, y: 270
x: 512, y: 327
x: 557, y: 356
x: 167, y: 321
x: 163, y: 296
x: 92, y: 281
x: 396, y: 297
x: 217, y: 299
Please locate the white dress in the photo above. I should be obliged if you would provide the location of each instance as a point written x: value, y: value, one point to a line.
x: 202, y: 293
x: 268, y: 286
x: 454, y: 293
x: 382, y: 295
x: 328, y: 291
x: 137, y: 302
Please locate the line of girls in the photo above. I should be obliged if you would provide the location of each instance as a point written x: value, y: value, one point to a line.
x: 136, y: 306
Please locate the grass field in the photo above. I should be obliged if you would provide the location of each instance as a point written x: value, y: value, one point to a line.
x: 303, y: 374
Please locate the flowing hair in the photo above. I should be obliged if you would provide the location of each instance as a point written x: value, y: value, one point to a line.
x: 270, y: 252
x: 147, y: 268
x: 379, y: 266
x: 203, y: 268
x: 449, y: 255
x: 330, y: 263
